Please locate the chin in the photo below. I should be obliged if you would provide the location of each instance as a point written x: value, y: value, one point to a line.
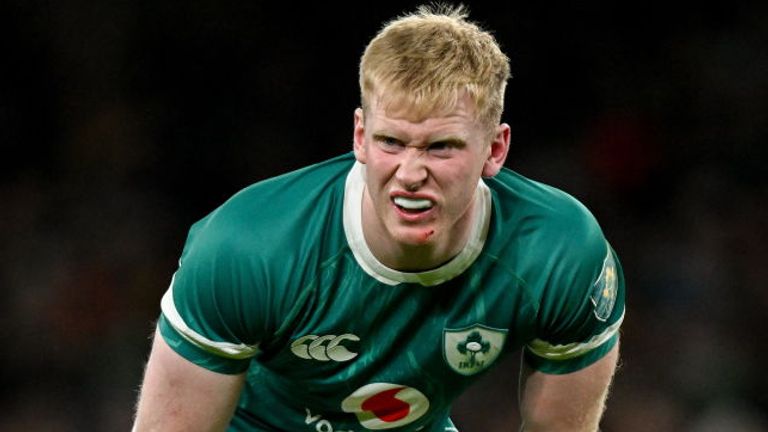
x: 415, y: 236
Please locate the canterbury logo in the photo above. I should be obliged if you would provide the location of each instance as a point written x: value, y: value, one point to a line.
x: 324, y: 348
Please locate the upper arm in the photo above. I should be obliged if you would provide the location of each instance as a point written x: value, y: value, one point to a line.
x: 571, y: 402
x: 570, y: 361
x: 214, y: 315
x: 178, y: 395
x: 581, y: 312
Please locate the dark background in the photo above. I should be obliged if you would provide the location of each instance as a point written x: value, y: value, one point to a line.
x: 121, y: 123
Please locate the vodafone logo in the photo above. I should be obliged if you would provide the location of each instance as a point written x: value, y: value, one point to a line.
x: 385, y: 405
x: 324, y: 348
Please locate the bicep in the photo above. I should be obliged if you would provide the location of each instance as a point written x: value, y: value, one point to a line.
x: 567, y: 402
x: 179, y: 395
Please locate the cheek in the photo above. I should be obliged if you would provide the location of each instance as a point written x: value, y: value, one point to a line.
x: 460, y: 188
x: 380, y: 165
x: 376, y: 179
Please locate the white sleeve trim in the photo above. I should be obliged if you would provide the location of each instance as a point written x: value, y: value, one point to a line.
x: 224, y: 349
x: 563, y: 352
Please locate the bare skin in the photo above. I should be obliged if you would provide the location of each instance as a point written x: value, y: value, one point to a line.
x: 178, y: 395
x: 572, y: 402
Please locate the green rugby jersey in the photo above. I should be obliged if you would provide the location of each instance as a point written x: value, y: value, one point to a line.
x: 279, y: 282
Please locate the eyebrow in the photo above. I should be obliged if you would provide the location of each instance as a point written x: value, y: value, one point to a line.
x: 382, y: 135
x: 452, y: 141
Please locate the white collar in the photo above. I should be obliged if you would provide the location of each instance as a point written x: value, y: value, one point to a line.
x: 353, y: 228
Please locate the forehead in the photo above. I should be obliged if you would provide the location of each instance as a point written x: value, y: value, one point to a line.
x: 417, y: 104
x: 457, y: 118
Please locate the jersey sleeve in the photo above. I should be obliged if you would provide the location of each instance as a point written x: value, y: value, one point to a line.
x: 211, y: 312
x: 582, y: 308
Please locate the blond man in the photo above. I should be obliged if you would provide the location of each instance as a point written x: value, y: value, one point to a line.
x: 368, y: 291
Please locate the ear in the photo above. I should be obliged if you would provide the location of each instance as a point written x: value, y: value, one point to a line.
x: 358, y: 137
x: 498, y: 151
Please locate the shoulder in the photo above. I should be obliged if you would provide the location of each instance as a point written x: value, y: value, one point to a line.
x: 273, y: 208
x: 549, y: 239
x: 543, y: 219
x: 571, y: 274
x: 280, y: 197
x: 273, y: 223
x: 272, y: 232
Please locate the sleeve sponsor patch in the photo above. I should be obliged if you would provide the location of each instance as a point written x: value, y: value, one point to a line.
x: 605, y: 289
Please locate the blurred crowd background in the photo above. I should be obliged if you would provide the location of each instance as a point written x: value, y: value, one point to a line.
x: 122, y: 123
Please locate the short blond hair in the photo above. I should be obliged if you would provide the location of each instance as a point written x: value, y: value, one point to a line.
x: 424, y: 61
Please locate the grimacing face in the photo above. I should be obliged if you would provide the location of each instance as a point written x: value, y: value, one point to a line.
x: 422, y: 175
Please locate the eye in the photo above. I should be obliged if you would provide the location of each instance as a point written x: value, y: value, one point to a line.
x: 388, y: 143
x: 441, y: 148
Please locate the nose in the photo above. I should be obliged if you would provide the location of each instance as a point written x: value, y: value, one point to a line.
x: 412, y: 173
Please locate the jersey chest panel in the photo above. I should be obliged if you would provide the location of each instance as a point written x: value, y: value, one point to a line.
x: 352, y: 331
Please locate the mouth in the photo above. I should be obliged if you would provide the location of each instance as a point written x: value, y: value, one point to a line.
x: 413, y: 205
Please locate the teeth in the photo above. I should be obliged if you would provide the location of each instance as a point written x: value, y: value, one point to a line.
x: 413, y: 204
